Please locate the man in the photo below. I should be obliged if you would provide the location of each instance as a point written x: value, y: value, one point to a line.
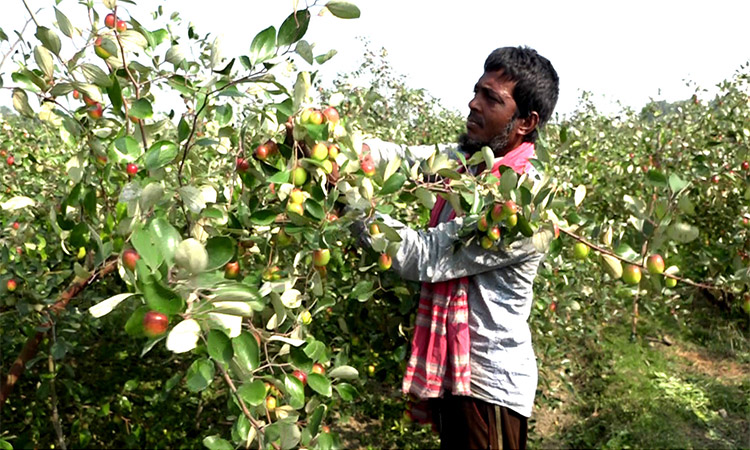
x: 484, y: 403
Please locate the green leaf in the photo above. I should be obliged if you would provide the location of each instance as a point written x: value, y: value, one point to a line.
x: 147, y: 246
x: 114, y: 92
x: 427, y: 198
x: 280, y: 177
x: 220, y: 346
x: 263, y: 217
x: 315, y: 419
x: 95, y: 75
x: 683, y: 232
x: 200, y: 374
x: 656, y: 178
x: 344, y: 373
x: 43, y: 59
x: 217, y: 443
x: 127, y: 149
x: 162, y: 299
x: 676, y: 184
x: 64, y: 24
x: 21, y: 103
x: 134, y: 325
x: 314, y: 209
x: 295, y: 391
x: 49, y: 39
x: 166, y: 237
x: 393, y: 183
x: 320, y: 59
x: 508, y: 181
x: 343, y: 10
x: 141, y: 109
x: 246, y: 351
x: 319, y: 384
x: 263, y: 47
x: 223, y: 114
x: 160, y: 154
x: 315, y: 350
x: 362, y: 291
x: 305, y: 51
x: 253, y: 393
x: 293, y: 28
x: 220, y: 251
x: 346, y: 391
x: 623, y: 250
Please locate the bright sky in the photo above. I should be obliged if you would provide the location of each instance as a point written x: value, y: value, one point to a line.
x: 620, y: 51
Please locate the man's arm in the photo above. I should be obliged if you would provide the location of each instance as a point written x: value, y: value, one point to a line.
x: 433, y: 256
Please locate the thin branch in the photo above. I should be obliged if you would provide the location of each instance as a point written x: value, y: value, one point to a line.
x: 10, y: 52
x: 56, y: 424
x: 33, y: 17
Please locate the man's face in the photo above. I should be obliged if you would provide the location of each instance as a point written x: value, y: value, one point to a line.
x: 491, y: 118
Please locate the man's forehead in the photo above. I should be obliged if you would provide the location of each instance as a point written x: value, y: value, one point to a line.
x: 498, y: 82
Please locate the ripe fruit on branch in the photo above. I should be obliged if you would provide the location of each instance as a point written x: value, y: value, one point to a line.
x: 497, y: 214
x: 89, y: 101
x: 11, y: 285
x: 300, y: 375
x: 262, y: 152
x: 95, y: 111
x: 494, y: 233
x: 299, y: 176
x: 331, y: 114
x: 655, y: 264
x: 297, y: 196
x: 321, y: 257
x: 16, y: 225
x: 631, y: 274
x: 715, y: 179
x: 509, y: 208
x: 311, y: 116
x: 482, y: 224
x: 580, y: 250
x: 129, y: 258
x: 745, y: 165
x: 76, y: 94
x: 110, y: 20
x: 242, y: 165
x: 384, y: 261
x: 232, y: 269
x: 368, y: 166
x: 318, y: 368
x: 132, y: 169
x: 155, y: 324
x: 121, y: 26
x: 270, y: 403
x: 100, y: 50
x: 272, y: 273
x: 333, y: 151
x: 319, y: 152
x: 296, y: 208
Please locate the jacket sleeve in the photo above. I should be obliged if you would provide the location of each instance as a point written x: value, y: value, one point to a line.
x: 433, y: 256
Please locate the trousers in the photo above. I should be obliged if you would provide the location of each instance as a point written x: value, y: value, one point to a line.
x: 470, y: 423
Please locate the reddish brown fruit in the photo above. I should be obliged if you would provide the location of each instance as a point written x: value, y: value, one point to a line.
x: 10, y: 160
x: 331, y: 114
x: 319, y: 369
x: 110, y: 20
x: 232, y: 269
x: 121, y: 26
x: 11, y: 285
x: 129, y: 258
x: 155, y: 324
x: 242, y: 165
x: 132, y: 169
x: 300, y: 375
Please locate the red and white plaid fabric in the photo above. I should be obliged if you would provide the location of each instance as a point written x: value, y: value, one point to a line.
x: 440, y: 352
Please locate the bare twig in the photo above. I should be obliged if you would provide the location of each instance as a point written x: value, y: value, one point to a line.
x: 56, y: 424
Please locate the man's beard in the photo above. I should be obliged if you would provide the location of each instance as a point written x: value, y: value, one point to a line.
x: 498, y: 144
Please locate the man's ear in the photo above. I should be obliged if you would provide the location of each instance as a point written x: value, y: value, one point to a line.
x: 528, y: 124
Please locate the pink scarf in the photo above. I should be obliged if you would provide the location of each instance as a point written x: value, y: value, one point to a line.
x: 440, y: 353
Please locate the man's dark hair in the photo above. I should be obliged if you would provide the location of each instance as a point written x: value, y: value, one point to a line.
x: 537, y: 83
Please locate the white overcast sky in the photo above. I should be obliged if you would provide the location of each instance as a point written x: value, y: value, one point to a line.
x: 629, y: 51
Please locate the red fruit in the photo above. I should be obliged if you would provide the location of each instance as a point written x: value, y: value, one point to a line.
x: 493, y: 233
x: 316, y: 117
x: 242, y: 165
x: 129, y: 258
x: 262, y: 152
x: 368, y: 167
x: 95, y: 111
x: 384, y: 261
x: 11, y: 285
x: 745, y: 165
x: 655, y: 264
x: 10, y: 160
x: 89, y: 101
x: 121, y: 26
x: 16, y: 225
x: 155, y: 324
x: 3, y: 153
x: 76, y: 94
x: 331, y: 114
x: 318, y: 368
x: 300, y: 375
x: 553, y: 306
x: 110, y: 20
x: 232, y: 269
x: 132, y: 169
x: 715, y: 179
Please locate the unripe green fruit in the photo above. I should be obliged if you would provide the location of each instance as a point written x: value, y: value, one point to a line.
x: 321, y: 257
x: 482, y: 224
x: 299, y: 176
x: 486, y: 243
x: 319, y: 152
x: 327, y: 166
x: 305, y: 317
x: 580, y: 250
x: 670, y: 282
x: 631, y: 274
x: 191, y: 256
x: 512, y: 220
x: 493, y: 233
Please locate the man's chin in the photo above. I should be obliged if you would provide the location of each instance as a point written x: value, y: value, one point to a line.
x: 470, y: 145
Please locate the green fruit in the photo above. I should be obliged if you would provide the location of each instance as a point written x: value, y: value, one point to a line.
x: 305, y: 317
x: 580, y: 250
x: 746, y: 305
x: 512, y: 220
x: 319, y: 152
x: 493, y: 233
x: 191, y: 256
x: 670, y: 282
x: 631, y: 274
x: 296, y: 208
x: 384, y: 261
x: 299, y: 176
x: 486, y: 243
x: 321, y: 257
x: 482, y: 224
